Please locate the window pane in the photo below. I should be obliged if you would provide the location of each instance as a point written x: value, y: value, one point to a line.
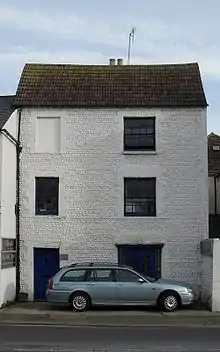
x: 74, y: 275
x: 139, y: 122
x: 139, y: 133
x: 47, y: 195
x: 140, y: 196
x: 126, y: 276
x: 103, y: 275
x: 140, y: 188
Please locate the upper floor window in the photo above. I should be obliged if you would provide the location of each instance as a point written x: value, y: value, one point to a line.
x: 140, y: 196
x: 48, y: 135
x: 139, y: 133
x: 47, y: 196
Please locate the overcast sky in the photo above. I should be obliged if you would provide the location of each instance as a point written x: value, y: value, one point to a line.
x: 92, y: 31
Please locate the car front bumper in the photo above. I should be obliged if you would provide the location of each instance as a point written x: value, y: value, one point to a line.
x: 187, y: 298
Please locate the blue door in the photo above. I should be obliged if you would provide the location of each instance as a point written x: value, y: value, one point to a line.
x: 144, y: 259
x: 46, y: 265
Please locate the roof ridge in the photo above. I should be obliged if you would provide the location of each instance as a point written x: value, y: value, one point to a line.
x: 114, y: 66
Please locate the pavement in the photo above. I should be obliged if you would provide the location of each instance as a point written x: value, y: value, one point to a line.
x: 44, y: 313
x: 32, y: 338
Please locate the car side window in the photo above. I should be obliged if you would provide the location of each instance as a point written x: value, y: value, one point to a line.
x: 103, y: 275
x: 74, y: 276
x: 126, y: 276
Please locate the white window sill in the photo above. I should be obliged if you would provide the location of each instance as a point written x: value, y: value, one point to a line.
x: 139, y: 152
x: 141, y: 217
x: 49, y: 216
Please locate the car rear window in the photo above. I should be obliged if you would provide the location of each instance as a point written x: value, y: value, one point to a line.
x: 74, y: 275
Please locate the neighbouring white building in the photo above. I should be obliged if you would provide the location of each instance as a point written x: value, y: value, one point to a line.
x: 8, y: 173
x: 113, y: 167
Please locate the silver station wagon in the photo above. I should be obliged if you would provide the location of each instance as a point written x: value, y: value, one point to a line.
x: 87, y: 284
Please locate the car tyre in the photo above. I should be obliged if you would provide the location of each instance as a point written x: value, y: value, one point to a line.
x: 80, y: 301
x: 169, y: 301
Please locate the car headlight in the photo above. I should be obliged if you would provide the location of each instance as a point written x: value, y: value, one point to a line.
x: 189, y: 290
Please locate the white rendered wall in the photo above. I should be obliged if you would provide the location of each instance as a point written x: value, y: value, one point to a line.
x: 91, y: 166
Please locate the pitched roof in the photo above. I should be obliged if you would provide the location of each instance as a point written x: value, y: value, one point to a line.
x: 6, y: 108
x: 213, y: 155
x: 79, y: 86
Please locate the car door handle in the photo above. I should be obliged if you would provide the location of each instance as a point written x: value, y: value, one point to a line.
x: 91, y: 283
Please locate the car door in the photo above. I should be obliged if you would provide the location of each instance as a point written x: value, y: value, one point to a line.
x: 102, y: 286
x: 132, y: 289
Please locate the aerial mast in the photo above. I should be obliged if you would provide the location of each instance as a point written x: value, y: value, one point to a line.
x: 131, y: 38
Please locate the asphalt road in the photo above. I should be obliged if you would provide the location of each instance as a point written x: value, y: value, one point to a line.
x: 54, y: 338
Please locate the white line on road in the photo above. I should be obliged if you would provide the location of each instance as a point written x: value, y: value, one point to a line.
x: 89, y: 326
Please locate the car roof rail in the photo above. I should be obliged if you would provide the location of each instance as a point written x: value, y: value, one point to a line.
x: 93, y: 264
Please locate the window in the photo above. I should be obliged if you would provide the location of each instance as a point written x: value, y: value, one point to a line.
x: 139, y: 133
x: 103, y: 275
x: 8, y: 253
x: 126, y: 276
x: 48, y: 135
x: 47, y: 195
x: 74, y: 276
x: 140, y: 196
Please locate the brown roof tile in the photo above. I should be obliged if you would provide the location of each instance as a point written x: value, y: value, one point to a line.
x: 55, y: 85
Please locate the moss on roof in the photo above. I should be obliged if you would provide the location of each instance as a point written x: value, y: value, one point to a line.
x: 57, y: 85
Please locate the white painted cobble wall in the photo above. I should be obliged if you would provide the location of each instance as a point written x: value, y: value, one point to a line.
x: 91, y: 166
x: 211, y: 276
x: 207, y: 280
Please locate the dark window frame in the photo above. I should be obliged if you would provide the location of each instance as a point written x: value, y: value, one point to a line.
x: 39, y: 210
x: 148, y: 202
x: 151, y: 120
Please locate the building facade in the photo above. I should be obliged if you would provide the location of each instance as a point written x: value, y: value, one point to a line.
x: 113, y: 168
x: 8, y: 172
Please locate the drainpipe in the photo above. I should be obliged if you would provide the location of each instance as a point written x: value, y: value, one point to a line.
x: 215, y: 197
x: 18, y: 152
x: 9, y: 136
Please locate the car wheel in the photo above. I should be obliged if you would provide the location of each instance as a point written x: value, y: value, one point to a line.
x: 169, y: 302
x: 80, y: 301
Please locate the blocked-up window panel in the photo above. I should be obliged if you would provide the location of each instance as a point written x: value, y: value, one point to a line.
x: 48, y: 135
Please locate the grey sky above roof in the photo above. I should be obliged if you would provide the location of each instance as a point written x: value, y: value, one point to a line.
x: 6, y: 108
x: 111, y: 86
x: 73, y: 31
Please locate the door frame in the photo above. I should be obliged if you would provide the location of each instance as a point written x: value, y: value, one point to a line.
x: 50, y: 247
x: 155, y: 246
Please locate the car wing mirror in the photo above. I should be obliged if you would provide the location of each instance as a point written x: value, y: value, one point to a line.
x: 140, y: 280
